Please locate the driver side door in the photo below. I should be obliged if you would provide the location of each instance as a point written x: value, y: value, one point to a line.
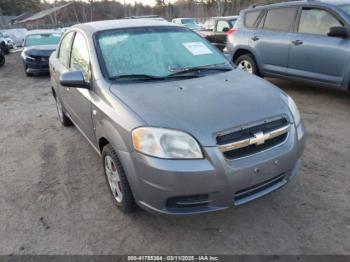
x: 78, y: 100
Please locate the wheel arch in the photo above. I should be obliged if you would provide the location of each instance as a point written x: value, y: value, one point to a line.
x: 245, y: 51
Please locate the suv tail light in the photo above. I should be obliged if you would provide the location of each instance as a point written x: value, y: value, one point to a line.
x: 231, y: 31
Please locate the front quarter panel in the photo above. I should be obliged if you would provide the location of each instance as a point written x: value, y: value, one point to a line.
x: 113, y: 119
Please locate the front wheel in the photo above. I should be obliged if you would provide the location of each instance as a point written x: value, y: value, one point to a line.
x: 117, y: 181
x: 247, y: 63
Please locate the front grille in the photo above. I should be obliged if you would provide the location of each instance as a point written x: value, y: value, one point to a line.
x: 260, y: 189
x: 254, y: 139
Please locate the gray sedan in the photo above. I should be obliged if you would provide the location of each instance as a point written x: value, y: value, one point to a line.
x: 179, y: 129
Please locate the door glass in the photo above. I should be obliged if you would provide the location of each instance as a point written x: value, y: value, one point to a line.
x: 80, y: 60
x: 250, y: 18
x: 280, y: 19
x: 317, y: 21
x: 65, y: 48
x: 221, y: 25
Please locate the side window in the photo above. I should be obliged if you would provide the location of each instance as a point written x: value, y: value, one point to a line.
x: 221, y: 25
x: 250, y: 18
x: 80, y: 59
x: 317, y: 21
x: 280, y: 19
x: 65, y: 48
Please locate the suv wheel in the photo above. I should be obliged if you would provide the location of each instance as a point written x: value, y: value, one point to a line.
x: 247, y: 63
x: 65, y: 121
x: 117, y: 181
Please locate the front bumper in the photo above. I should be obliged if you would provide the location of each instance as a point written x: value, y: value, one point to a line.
x: 36, y: 67
x: 186, y: 187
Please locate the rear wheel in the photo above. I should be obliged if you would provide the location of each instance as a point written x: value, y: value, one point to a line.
x: 247, y: 63
x: 65, y: 121
x: 117, y: 181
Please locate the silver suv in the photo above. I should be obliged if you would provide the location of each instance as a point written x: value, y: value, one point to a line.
x: 179, y: 130
x: 298, y: 40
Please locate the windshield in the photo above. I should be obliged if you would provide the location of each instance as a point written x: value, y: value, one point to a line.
x: 158, y: 52
x: 42, y: 39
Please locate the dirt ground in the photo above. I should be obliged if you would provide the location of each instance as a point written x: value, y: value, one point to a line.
x: 54, y: 198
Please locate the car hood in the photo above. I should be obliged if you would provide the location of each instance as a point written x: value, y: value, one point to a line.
x: 42, y: 50
x: 204, y: 106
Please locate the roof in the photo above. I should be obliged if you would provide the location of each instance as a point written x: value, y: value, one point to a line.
x: 7, y: 19
x: 119, y: 24
x: 311, y: 2
x: 227, y: 17
x: 43, y: 13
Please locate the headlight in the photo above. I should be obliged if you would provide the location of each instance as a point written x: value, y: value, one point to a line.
x: 25, y: 56
x: 294, y: 109
x: 165, y: 143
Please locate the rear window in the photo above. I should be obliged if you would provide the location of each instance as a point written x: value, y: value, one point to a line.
x: 280, y: 19
x: 250, y: 18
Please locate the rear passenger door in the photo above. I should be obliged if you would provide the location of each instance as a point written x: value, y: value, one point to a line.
x: 314, y: 55
x: 271, y: 40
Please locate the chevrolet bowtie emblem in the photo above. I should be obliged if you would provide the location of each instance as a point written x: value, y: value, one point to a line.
x: 259, y: 138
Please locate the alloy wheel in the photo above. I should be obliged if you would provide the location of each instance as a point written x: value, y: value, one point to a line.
x: 113, y: 178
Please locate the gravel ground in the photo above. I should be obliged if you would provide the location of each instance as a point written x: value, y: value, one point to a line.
x: 54, y: 199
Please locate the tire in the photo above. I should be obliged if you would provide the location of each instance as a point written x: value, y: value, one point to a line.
x: 247, y: 63
x: 117, y: 181
x: 2, y: 59
x: 64, y: 120
x: 27, y: 74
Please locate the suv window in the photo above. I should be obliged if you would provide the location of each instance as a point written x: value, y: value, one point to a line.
x: 221, y: 25
x: 250, y: 18
x: 80, y: 59
x: 317, y: 21
x: 280, y: 19
x: 65, y: 47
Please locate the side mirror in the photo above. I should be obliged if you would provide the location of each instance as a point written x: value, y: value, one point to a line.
x: 74, y: 79
x: 339, y: 31
x: 225, y: 29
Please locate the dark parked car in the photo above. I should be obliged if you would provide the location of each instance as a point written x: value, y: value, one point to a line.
x: 38, y: 46
x: 5, y: 46
x: 218, y: 30
x: 306, y: 40
x: 179, y: 132
x: 2, y: 58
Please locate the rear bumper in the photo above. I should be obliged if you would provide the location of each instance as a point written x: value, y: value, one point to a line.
x: 187, y: 187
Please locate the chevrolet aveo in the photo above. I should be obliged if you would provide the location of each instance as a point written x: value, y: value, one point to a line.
x: 179, y: 129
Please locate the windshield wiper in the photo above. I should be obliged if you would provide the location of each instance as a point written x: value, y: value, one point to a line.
x: 135, y: 76
x: 199, y: 69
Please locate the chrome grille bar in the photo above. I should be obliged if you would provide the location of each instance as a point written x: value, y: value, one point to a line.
x: 258, y: 139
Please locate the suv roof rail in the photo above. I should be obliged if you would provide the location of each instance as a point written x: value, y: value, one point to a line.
x: 269, y: 3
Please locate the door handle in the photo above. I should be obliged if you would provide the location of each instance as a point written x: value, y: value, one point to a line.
x: 297, y: 42
x: 255, y: 38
